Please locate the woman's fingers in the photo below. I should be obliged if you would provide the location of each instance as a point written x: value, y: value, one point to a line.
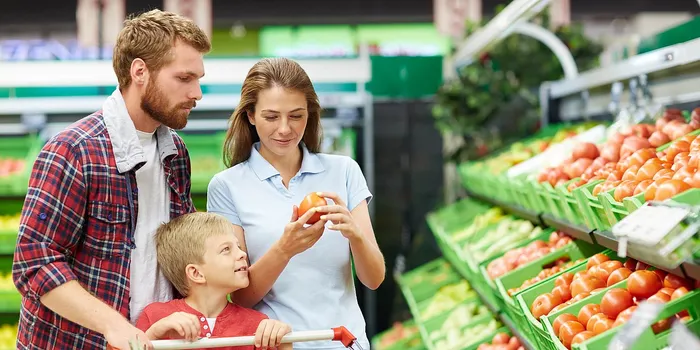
x: 333, y: 196
x: 335, y: 218
x: 307, y: 216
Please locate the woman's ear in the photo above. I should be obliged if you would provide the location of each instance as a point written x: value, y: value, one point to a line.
x: 251, y: 117
x: 194, y: 274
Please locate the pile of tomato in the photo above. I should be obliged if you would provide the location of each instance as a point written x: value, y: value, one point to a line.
x: 617, y: 304
x: 629, y: 163
x: 520, y: 256
x: 502, y: 341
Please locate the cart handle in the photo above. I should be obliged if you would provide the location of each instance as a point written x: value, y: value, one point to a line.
x: 340, y: 334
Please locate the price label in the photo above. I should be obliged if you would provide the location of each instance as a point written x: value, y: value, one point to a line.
x: 648, y: 225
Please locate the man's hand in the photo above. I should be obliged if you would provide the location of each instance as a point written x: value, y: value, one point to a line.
x: 120, y: 335
x: 179, y: 325
x: 269, y: 334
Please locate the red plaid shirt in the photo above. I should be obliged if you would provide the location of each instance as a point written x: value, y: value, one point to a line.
x: 78, y: 224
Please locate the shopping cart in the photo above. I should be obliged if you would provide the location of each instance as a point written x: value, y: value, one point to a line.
x: 340, y: 334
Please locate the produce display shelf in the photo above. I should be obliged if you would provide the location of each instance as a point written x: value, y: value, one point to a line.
x: 516, y: 332
x: 513, y: 209
x: 574, y: 231
x: 603, y: 238
x: 498, y: 313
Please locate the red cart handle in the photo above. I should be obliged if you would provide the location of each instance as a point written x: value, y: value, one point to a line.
x: 340, y: 334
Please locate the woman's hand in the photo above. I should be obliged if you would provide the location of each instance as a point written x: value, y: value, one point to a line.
x: 297, y: 238
x: 339, y: 214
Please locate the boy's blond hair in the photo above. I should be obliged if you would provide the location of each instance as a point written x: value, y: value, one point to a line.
x: 151, y: 36
x: 182, y: 241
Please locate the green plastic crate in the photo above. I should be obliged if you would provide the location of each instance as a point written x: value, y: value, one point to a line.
x: 593, y: 211
x: 527, y: 297
x: 617, y: 211
x: 434, y: 327
x: 411, y: 342
x: 574, y: 251
x: 469, y: 344
x: 24, y: 148
x: 569, y: 205
x: 689, y: 302
x: 544, y: 236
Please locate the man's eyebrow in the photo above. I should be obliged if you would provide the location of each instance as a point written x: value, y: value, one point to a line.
x: 193, y: 74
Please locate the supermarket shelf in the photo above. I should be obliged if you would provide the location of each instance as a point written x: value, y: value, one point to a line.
x: 513, y: 209
x: 497, y: 312
x: 571, y: 230
x: 602, y: 238
x: 514, y: 329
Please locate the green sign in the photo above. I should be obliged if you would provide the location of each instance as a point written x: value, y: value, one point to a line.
x: 419, y: 39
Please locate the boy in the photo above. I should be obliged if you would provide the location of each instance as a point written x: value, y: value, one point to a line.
x: 200, y: 255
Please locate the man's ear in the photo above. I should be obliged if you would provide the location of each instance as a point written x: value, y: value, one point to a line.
x: 139, y: 71
x: 194, y: 274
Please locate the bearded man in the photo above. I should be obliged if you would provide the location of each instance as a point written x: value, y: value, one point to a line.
x: 85, y: 260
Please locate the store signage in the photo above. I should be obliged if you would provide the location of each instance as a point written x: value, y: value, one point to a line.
x: 42, y: 50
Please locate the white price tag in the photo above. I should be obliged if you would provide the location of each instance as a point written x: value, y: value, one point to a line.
x: 648, y: 225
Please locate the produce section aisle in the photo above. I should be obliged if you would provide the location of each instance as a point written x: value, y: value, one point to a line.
x: 533, y: 241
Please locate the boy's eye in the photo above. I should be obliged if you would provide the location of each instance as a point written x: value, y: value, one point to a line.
x: 226, y: 249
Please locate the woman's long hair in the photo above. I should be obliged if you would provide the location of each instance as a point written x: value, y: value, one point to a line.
x: 265, y: 74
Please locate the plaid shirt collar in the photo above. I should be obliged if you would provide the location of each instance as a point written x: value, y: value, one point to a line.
x: 127, y: 149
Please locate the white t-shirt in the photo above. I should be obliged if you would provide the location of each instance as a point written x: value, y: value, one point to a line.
x: 148, y: 284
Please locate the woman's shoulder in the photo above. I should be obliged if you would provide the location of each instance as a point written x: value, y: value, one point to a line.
x: 335, y: 161
x: 237, y: 171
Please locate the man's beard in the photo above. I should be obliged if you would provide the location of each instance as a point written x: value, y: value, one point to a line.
x: 155, y: 103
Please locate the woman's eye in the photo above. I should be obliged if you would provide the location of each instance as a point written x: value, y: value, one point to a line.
x: 296, y: 117
x: 225, y: 250
x: 184, y: 79
x: 270, y: 118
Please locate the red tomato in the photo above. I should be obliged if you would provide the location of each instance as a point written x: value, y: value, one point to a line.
x: 596, y: 260
x: 586, y: 285
x: 587, y: 312
x: 582, y: 337
x: 630, y: 264
x: 607, y: 268
x: 662, y: 325
x: 594, y: 319
x: 618, y: 275
x: 560, y: 320
x: 660, y: 297
x: 312, y: 200
x: 667, y: 291
x: 679, y: 293
x: 643, y: 284
x: 543, y: 304
x: 562, y: 292
x: 615, y: 301
x: 603, y: 325
x: 564, y: 279
x: 500, y: 338
x: 675, y: 282
x: 670, y: 188
x: 625, y: 315
x: 568, y: 331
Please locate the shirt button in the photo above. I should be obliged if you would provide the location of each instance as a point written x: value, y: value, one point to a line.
x: 202, y: 319
x: 109, y: 216
x: 42, y: 216
x: 208, y: 335
x: 206, y: 327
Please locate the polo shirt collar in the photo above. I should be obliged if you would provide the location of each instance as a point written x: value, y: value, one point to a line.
x: 310, y: 163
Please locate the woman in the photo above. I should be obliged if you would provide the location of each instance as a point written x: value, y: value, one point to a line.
x: 300, y: 274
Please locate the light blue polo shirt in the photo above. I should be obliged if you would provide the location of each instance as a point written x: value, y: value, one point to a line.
x: 316, y: 290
